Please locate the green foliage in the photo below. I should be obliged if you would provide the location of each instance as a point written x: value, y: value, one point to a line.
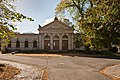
x: 114, y: 49
x: 99, y: 20
x: 5, y: 34
x: 78, y: 41
x: 8, y: 15
x: 76, y: 8
x: 104, y: 19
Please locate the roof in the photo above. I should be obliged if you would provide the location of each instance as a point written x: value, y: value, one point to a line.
x: 56, y: 20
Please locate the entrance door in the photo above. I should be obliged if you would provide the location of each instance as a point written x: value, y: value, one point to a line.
x: 55, y: 44
x: 47, y: 44
x: 64, y: 44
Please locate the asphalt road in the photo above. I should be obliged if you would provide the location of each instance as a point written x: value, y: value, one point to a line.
x: 67, y: 67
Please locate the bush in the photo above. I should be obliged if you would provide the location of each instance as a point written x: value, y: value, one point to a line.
x: 93, y: 52
x: 106, y: 52
x: 114, y: 49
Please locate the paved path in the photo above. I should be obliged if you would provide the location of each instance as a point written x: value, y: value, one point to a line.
x: 67, y: 67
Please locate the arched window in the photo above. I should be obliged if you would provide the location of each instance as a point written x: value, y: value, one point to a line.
x: 26, y: 44
x: 9, y: 45
x: 65, y: 42
x: 56, y: 37
x: 34, y: 44
x: 17, y: 44
x: 47, y: 37
x: 65, y: 36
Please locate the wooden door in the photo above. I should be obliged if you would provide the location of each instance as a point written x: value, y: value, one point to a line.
x: 64, y: 44
x: 55, y: 44
x: 47, y: 44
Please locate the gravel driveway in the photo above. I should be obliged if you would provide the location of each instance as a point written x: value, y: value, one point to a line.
x: 27, y: 72
x: 67, y: 67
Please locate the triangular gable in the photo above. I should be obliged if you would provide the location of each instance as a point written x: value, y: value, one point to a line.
x: 56, y: 25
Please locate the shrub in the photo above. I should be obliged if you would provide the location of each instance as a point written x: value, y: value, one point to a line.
x: 106, y: 52
x: 94, y: 52
x: 114, y: 49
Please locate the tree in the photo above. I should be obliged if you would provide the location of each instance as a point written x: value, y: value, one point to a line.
x: 105, y: 17
x: 7, y: 16
x: 98, y: 20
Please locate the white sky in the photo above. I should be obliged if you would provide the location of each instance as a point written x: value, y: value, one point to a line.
x: 42, y: 11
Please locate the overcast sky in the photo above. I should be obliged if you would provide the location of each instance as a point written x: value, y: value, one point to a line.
x: 42, y: 11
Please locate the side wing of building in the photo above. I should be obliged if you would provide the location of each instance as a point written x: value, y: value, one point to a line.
x: 24, y: 42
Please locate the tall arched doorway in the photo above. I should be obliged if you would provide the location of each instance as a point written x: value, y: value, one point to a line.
x: 56, y: 42
x: 65, y: 42
x: 47, y: 42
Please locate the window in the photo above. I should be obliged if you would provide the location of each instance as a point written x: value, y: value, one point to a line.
x: 17, y: 44
x: 9, y: 45
x: 26, y: 44
x: 47, y: 37
x: 65, y: 36
x: 56, y: 37
x: 34, y: 44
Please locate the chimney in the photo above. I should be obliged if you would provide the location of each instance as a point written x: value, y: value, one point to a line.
x: 55, y: 19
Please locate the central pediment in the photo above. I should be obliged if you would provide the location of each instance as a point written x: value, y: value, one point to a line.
x: 55, y: 27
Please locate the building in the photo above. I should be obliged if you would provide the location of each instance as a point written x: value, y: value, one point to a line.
x: 53, y: 36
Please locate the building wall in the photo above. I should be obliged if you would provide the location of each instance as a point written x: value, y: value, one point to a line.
x: 22, y: 38
x: 40, y: 38
x: 52, y: 29
x: 60, y: 35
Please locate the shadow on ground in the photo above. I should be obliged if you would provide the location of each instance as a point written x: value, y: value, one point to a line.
x: 69, y: 54
x: 92, y: 56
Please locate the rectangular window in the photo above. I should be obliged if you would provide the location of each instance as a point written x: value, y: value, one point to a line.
x: 34, y: 44
x: 26, y: 44
x: 17, y: 44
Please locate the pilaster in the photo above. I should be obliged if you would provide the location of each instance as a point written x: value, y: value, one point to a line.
x: 51, y: 42
x: 60, y: 42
